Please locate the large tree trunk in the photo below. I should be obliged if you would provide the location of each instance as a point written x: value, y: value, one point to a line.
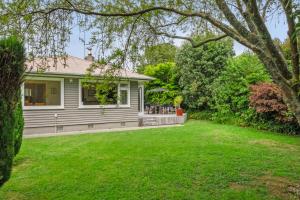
x: 289, y: 91
x: 291, y: 98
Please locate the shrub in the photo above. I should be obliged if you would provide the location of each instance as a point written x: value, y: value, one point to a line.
x: 18, y: 130
x: 12, y: 58
x: 231, y: 89
x: 178, y: 101
x: 200, y: 115
x: 267, y: 100
x: 166, y: 79
x: 198, y: 68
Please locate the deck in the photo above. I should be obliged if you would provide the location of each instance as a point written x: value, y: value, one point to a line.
x: 161, y: 119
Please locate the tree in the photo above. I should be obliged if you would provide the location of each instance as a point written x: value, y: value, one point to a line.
x: 267, y: 99
x: 271, y: 112
x: 231, y: 91
x: 161, y: 53
x: 19, y: 126
x: 12, y: 58
x: 140, y: 23
x: 166, y: 78
x: 198, y: 68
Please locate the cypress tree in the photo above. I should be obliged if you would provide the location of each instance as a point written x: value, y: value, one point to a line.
x: 12, y: 58
x: 19, y: 125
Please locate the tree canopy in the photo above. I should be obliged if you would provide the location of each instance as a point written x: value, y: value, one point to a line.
x: 230, y: 91
x: 124, y: 29
x: 153, y: 55
x: 166, y: 79
x: 198, y: 67
x: 12, y: 58
x: 160, y: 53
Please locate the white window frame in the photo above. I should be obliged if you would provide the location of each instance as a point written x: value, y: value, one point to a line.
x: 142, y: 100
x: 118, y: 105
x: 128, y: 93
x: 48, y: 107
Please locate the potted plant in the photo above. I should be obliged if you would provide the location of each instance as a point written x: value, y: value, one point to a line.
x: 177, y: 102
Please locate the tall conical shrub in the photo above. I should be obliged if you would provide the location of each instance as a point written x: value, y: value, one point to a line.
x: 12, y: 58
x: 19, y: 125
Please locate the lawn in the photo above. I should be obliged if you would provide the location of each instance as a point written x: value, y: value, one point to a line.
x: 201, y: 160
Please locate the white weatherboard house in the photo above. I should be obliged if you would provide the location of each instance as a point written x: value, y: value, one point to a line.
x: 55, y: 101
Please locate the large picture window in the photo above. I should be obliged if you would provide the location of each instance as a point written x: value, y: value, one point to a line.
x: 43, y: 93
x: 115, y: 95
x: 107, y: 96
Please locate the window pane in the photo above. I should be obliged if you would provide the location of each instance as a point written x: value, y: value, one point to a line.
x: 88, y: 96
x: 108, y: 95
x: 124, y: 85
x: 42, y: 93
x: 124, y: 97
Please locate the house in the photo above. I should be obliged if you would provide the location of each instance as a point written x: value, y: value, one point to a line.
x: 56, y: 101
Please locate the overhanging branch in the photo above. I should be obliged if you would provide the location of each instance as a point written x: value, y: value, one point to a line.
x: 190, y: 39
x: 288, y: 10
x: 214, y: 39
x: 215, y: 22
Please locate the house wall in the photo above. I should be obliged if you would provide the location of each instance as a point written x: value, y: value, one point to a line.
x: 73, y: 118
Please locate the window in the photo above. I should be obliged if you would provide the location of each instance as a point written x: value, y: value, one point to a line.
x: 47, y: 93
x: 114, y: 96
x: 124, y: 94
x: 109, y: 95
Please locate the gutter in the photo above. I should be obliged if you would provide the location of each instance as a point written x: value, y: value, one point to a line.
x: 62, y: 75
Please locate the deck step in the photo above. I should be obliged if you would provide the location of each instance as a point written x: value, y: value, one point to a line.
x: 157, y: 120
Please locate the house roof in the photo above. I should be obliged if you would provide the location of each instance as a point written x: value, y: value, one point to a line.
x: 74, y: 66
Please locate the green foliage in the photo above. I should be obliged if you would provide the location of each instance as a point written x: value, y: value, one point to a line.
x: 154, y: 55
x: 166, y: 78
x: 7, y: 140
x: 231, y: 92
x: 178, y: 101
x: 18, y: 130
x: 297, y: 16
x: 107, y: 94
x: 200, y: 115
x: 231, y: 89
x: 271, y: 111
x: 12, y: 59
x: 197, y: 69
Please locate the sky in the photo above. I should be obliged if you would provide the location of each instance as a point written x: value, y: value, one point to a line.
x: 277, y: 28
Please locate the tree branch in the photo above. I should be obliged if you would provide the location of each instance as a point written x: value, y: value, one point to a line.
x: 129, y: 38
x: 191, y: 40
x: 173, y: 23
x: 236, y: 24
x: 268, y: 42
x: 288, y: 9
x: 223, y: 27
x: 203, y: 15
x: 214, y: 39
x: 246, y: 16
x: 265, y: 8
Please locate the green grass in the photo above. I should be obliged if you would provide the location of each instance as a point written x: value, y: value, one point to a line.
x: 201, y: 160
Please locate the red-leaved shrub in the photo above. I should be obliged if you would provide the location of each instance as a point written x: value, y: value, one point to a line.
x: 267, y: 99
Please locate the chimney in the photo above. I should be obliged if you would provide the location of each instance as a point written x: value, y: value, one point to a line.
x: 89, y: 57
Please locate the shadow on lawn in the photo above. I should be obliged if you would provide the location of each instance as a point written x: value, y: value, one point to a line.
x: 279, y: 187
x: 21, y: 161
